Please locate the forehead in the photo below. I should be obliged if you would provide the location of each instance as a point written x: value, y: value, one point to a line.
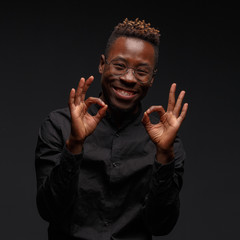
x: 132, y: 49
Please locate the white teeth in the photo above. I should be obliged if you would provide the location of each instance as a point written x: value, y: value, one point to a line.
x: 125, y: 93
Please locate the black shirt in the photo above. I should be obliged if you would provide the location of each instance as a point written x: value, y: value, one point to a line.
x: 115, y: 189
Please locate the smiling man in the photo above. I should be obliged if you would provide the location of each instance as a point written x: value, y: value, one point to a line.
x: 105, y: 168
x: 123, y: 85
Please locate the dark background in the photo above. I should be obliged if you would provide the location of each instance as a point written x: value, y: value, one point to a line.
x: 46, y: 48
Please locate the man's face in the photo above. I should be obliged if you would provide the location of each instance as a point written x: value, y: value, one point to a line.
x: 124, y: 92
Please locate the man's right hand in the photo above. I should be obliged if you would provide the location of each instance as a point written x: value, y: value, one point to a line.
x: 82, y: 123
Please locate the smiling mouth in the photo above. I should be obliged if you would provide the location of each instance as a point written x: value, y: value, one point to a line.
x: 124, y: 93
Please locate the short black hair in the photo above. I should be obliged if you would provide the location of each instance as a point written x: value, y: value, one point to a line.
x: 136, y: 29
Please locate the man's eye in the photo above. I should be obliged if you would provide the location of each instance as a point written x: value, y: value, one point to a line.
x: 119, y: 66
x: 142, y: 72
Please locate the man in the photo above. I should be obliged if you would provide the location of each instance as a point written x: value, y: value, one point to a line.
x: 106, y: 170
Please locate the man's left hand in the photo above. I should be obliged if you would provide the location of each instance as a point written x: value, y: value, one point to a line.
x: 164, y: 133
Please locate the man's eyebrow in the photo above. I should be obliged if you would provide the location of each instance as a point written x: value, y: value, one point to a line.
x: 125, y: 60
x: 144, y: 64
x: 119, y: 58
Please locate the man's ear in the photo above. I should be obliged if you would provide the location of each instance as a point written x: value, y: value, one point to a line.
x: 153, y: 77
x: 151, y: 82
x: 101, y: 64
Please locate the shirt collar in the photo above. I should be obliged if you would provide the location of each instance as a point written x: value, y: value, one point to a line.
x: 134, y: 118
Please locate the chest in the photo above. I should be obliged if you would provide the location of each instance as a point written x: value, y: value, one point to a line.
x: 128, y: 151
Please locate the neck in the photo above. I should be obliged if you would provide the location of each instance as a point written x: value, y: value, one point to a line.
x: 120, y: 116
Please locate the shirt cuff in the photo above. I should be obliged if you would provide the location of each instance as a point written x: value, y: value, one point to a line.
x: 162, y: 176
x: 70, y: 163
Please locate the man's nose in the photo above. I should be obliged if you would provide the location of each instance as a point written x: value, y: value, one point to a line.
x: 129, y: 76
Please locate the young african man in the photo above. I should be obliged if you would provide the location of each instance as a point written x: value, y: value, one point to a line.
x: 105, y: 168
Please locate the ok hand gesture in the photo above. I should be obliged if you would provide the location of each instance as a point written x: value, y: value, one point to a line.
x: 82, y: 123
x: 163, y: 133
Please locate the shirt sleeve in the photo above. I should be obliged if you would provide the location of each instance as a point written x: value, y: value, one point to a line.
x: 162, y: 204
x: 57, y: 171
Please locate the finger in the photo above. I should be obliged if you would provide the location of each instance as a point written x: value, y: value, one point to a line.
x: 178, y: 105
x: 79, y: 91
x: 184, y: 112
x: 171, y: 98
x: 86, y: 86
x: 159, y: 109
x: 93, y: 100
x: 145, y: 119
x: 71, y: 97
x: 100, y: 114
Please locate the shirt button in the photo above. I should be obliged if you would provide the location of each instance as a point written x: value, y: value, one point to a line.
x: 115, y: 164
x: 106, y: 223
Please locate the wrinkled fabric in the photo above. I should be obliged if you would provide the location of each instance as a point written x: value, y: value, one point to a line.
x: 115, y: 189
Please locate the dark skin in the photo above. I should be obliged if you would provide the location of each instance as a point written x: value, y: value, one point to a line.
x: 121, y: 96
x: 134, y: 53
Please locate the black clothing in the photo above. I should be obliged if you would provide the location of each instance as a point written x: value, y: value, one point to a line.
x: 115, y: 189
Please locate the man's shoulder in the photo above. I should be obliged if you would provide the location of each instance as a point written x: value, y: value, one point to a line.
x: 60, y: 112
x: 59, y: 116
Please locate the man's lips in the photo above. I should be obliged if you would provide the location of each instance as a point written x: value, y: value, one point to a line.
x: 124, y: 93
